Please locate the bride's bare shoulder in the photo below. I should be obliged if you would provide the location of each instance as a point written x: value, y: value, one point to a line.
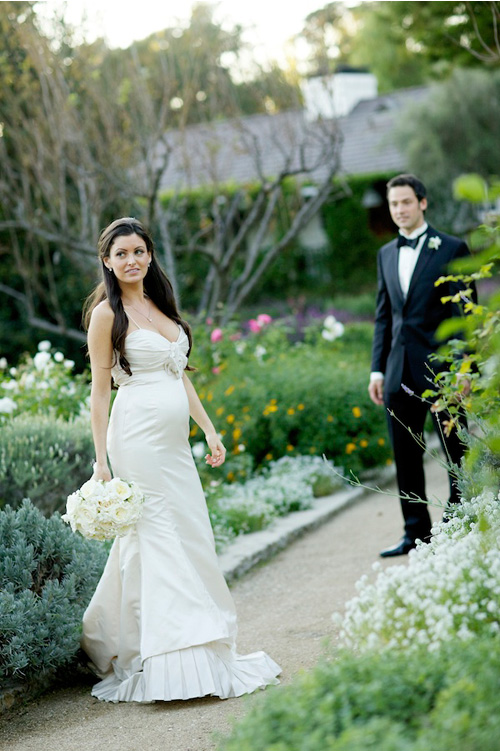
x: 102, y: 316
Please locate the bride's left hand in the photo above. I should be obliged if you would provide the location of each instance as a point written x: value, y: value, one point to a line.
x: 218, y: 452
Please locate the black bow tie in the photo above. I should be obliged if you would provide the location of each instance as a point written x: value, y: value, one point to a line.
x: 407, y: 243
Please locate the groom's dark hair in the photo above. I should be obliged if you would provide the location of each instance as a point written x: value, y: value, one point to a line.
x: 411, y: 181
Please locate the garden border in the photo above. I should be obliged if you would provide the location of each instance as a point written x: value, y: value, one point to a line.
x: 250, y: 549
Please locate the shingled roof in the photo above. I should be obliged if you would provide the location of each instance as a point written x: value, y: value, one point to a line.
x: 241, y: 150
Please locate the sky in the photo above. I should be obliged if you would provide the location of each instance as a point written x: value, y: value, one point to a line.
x: 270, y: 23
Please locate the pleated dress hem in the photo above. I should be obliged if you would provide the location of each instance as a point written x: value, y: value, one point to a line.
x: 204, y: 670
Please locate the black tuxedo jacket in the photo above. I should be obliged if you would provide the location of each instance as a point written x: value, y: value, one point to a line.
x: 408, y: 327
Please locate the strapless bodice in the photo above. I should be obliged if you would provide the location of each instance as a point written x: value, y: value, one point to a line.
x: 149, y: 352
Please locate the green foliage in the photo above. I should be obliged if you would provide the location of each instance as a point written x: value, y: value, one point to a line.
x: 45, y: 459
x: 273, y: 399
x: 473, y: 359
x: 450, y: 133
x: 403, y: 43
x: 394, y: 702
x: 356, y: 233
x: 47, y: 577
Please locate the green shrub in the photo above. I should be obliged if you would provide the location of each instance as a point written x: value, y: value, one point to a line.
x: 44, y: 459
x: 47, y: 577
x: 391, y: 702
x: 275, y: 399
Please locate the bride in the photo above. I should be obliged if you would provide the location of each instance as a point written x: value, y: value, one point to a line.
x: 161, y: 624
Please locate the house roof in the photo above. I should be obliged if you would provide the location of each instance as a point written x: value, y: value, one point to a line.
x: 244, y: 149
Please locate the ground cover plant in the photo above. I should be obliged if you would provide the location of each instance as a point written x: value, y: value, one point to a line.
x: 395, y: 701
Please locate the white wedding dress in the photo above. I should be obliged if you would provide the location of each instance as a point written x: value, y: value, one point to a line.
x: 161, y: 624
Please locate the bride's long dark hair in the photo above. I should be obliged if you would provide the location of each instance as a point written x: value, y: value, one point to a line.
x: 156, y: 285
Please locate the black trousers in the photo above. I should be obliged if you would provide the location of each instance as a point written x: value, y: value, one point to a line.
x: 409, y: 412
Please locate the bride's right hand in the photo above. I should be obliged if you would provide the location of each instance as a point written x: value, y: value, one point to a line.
x: 101, y: 472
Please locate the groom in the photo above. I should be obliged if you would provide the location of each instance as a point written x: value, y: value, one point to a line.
x: 409, y: 310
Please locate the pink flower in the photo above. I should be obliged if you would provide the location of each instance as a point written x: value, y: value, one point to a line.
x: 254, y: 326
x: 216, y: 336
x: 216, y: 370
x: 209, y: 321
x: 264, y: 318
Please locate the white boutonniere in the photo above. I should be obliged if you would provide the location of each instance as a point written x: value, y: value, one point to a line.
x: 434, y: 242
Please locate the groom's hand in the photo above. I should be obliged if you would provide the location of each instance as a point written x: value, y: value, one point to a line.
x: 376, y: 391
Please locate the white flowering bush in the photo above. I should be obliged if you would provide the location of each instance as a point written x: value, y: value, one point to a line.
x: 102, y: 510
x: 286, y: 485
x: 44, y: 383
x: 450, y: 588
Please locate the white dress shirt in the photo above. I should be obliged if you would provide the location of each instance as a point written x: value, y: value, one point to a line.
x: 408, y: 257
x: 407, y: 261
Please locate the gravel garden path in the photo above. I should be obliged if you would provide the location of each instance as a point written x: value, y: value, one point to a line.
x: 284, y: 607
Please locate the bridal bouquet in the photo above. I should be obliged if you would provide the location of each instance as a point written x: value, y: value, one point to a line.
x: 102, y: 510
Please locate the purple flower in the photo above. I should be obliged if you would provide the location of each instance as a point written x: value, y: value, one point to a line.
x: 407, y: 390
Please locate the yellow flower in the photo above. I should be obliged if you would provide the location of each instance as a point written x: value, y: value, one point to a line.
x: 229, y: 390
x: 219, y: 411
x: 223, y: 432
x: 230, y: 419
x: 290, y: 411
x: 363, y: 443
x: 388, y: 462
x: 300, y: 406
x: 236, y: 434
x: 350, y: 448
x: 312, y: 450
x: 329, y: 418
x: 246, y: 409
x: 290, y: 447
x: 230, y: 476
x: 272, y: 407
x: 268, y: 457
x: 193, y: 431
x: 273, y: 401
x: 210, y: 396
x: 356, y: 412
x: 381, y: 441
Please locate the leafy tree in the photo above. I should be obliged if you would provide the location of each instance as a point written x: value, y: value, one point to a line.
x: 452, y: 132
x: 87, y: 135
x: 404, y: 43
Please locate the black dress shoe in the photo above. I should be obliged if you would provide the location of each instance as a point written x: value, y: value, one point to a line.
x: 403, y: 547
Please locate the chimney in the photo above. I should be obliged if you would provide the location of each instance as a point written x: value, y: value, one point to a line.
x: 335, y: 95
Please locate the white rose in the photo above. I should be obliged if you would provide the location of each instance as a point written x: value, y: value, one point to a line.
x: 119, y: 488
x: 58, y: 357
x: 72, y: 503
x: 89, y: 488
x: 10, y: 385
x: 44, y: 345
x: 121, y: 514
x: 69, y: 364
x: 84, y: 519
x: 41, y: 360
x: 7, y: 405
x: 3, y: 363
